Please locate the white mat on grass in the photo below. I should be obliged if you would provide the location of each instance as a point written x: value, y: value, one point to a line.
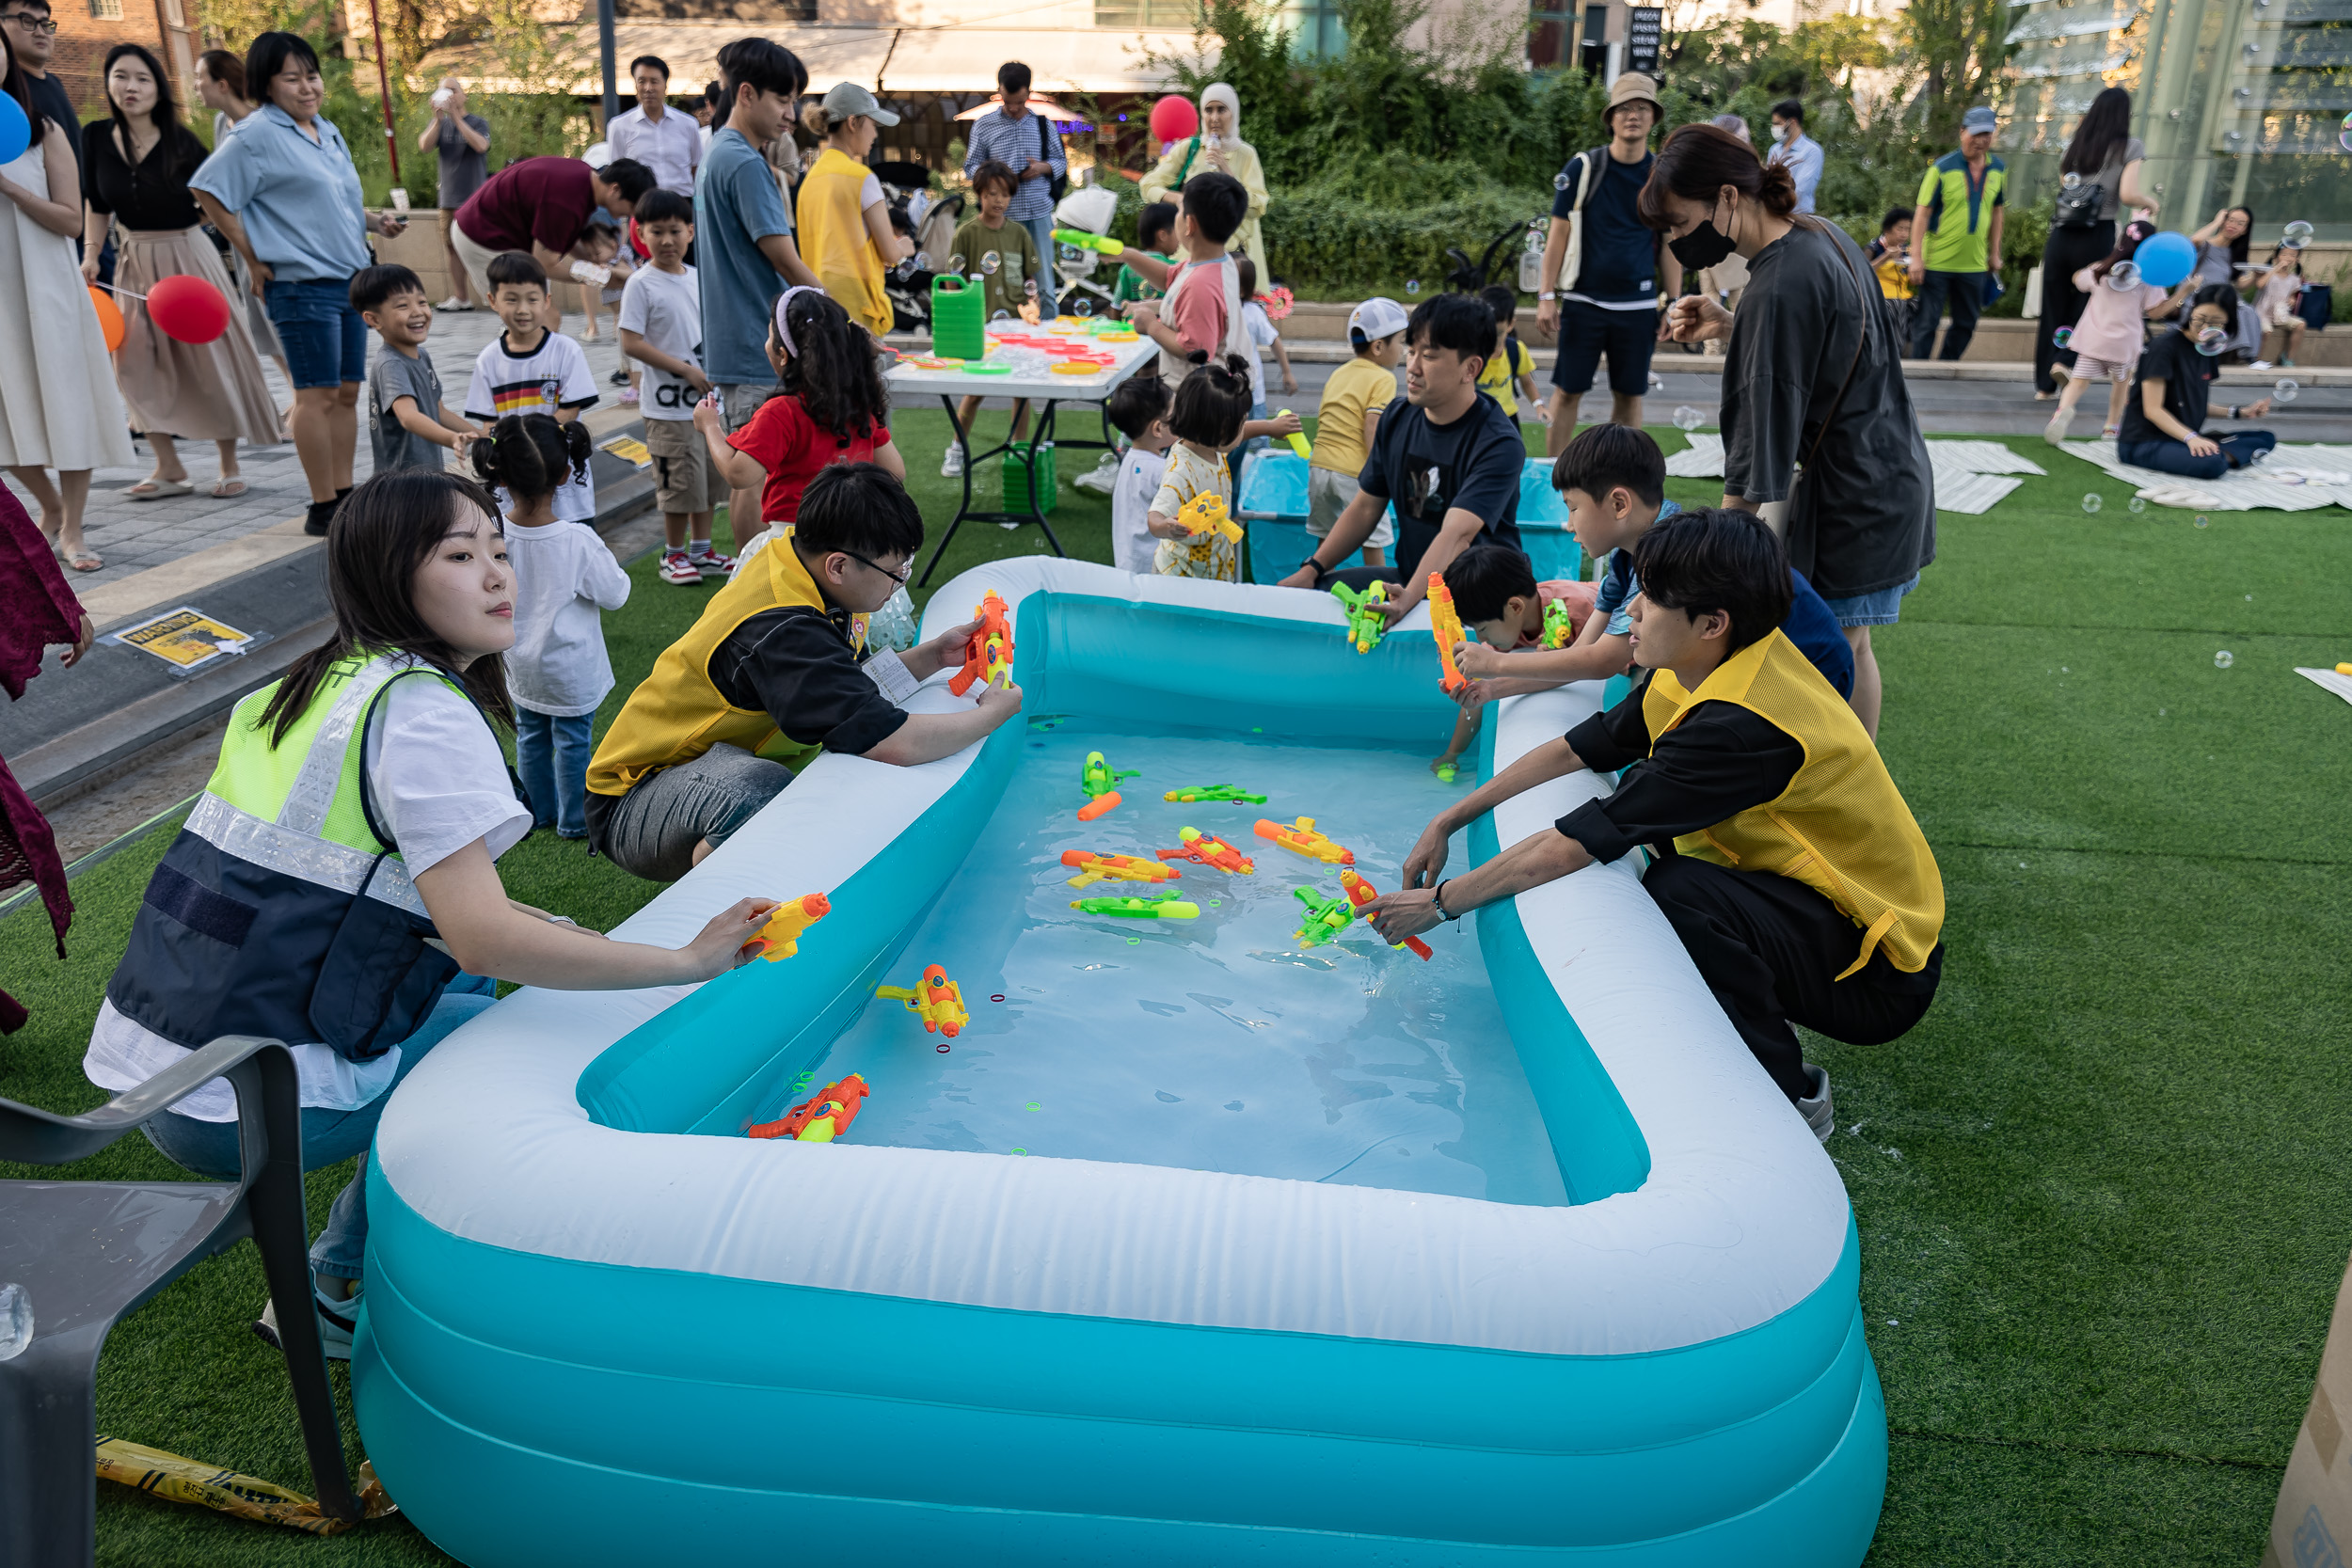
x: 1968, y: 473
x: 2241, y: 489
x: 2340, y: 685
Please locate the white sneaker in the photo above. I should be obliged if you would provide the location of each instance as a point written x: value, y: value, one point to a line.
x: 454, y: 303
x: 952, y: 466
x: 2054, y: 432
x: 1818, y: 1110
x: 2258, y: 365
x: 1103, y: 478
x: 336, y: 1324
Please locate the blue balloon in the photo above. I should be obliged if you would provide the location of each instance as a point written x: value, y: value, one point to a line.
x: 16, y: 132
x: 2164, y: 259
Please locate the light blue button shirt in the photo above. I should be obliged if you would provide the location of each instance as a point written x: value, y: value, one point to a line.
x: 298, y: 200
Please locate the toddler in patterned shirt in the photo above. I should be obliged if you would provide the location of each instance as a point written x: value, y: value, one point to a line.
x: 1212, y: 405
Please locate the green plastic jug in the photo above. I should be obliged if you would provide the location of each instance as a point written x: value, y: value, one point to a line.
x: 958, y: 327
x: 1016, y: 479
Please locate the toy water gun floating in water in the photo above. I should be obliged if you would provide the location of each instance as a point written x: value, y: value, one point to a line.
x: 1194, y: 794
x: 1208, y: 849
x: 822, y: 1119
x: 1558, y: 628
x: 1360, y: 893
x: 1095, y: 868
x: 936, y: 1000
x: 1102, y: 245
x: 1446, y: 627
x: 989, y: 653
x: 1301, y: 837
x: 1297, y: 438
x: 781, y: 937
x: 1165, y: 906
x: 1366, y: 626
x: 1325, y: 917
x: 1205, y: 512
x: 1101, y: 783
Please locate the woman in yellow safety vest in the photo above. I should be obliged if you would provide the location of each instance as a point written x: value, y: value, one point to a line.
x: 844, y: 218
x: 335, y: 887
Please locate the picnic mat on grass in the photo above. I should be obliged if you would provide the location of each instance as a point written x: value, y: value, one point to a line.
x: 2330, y: 680
x: 1969, y: 475
x: 2241, y: 489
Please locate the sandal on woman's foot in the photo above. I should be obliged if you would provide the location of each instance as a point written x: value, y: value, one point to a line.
x: 226, y: 488
x: 83, y: 561
x: 150, y: 489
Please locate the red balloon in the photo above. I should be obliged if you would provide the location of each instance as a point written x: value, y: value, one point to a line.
x: 188, y: 308
x: 1175, y: 117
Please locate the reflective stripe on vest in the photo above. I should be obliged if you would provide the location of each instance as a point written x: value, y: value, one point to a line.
x: 1842, y: 827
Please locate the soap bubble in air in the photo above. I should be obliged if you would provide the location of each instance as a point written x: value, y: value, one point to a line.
x: 16, y: 1321
x: 1560, y: 181
x: 2223, y: 659
x: 923, y: 261
x: 2071, y: 181
x: 1082, y: 307
x: 2285, y: 390
x: 2124, y: 277
x: 1412, y: 285
x: 2093, y: 501
x: 2138, y: 505
x: 1028, y: 286
x: 955, y: 263
x: 2298, y: 236
x: 2062, y: 337
x: 1001, y: 316
x: 990, y: 262
x: 1688, y: 419
x: 2203, y: 521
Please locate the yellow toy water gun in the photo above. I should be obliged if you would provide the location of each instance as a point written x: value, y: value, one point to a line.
x: 1446, y: 627
x: 937, y: 1001
x: 1303, y: 838
x: 781, y: 937
x: 1095, y: 868
x: 1297, y: 438
x: 1206, y: 511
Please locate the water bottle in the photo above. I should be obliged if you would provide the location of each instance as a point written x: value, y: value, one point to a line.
x: 892, y: 624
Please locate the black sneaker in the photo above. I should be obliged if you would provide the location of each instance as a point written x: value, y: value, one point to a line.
x: 619, y: 377
x: 316, y: 521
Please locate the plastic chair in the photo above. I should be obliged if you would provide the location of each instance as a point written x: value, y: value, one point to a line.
x: 85, y: 1253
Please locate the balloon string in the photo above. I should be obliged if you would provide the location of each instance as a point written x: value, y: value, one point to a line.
x: 117, y: 289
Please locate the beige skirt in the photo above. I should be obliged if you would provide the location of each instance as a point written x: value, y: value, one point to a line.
x: 195, y: 391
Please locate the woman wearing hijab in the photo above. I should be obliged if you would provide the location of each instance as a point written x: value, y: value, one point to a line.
x: 1217, y: 146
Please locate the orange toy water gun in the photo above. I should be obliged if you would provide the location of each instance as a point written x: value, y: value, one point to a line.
x: 936, y: 1000
x: 781, y: 937
x: 1360, y: 893
x: 1205, y: 512
x: 989, y: 653
x: 1302, y: 837
x: 822, y: 1119
x: 1208, y: 849
x: 1095, y: 868
x: 1446, y: 627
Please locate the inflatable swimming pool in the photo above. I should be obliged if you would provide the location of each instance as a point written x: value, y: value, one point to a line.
x: 602, y: 1328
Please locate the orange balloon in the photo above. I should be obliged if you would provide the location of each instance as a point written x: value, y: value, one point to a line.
x: 109, y: 317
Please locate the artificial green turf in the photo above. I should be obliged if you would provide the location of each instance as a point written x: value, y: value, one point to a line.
x: 2099, y: 1187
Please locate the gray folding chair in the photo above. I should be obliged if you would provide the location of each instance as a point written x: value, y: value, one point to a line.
x: 81, y: 1254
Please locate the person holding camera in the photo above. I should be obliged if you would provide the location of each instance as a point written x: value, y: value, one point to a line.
x: 463, y: 141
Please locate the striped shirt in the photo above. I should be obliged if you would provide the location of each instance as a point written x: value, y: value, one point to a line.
x: 1013, y: 143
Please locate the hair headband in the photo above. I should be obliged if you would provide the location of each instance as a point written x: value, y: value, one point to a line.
x: 783, y: 330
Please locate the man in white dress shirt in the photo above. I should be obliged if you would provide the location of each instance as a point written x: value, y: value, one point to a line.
x: 1796, y: 151
x: 666, y: 140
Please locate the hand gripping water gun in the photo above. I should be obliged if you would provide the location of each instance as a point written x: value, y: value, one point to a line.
x: 1165, y: 906
x: 936, y: 1000
x: 1095, y: 868
x: 1194, y: 794
x: 1360, y: 893
x: 1101, y: 783
x: 1206, y: 511
x: 1302, y: 837
x: 1207, y: 849
x: 781, y: 937
x: 1297, y: 438
x: 1558, y: 628
x: 1366, y: 626
x: 822, y: 1119
x: 1446, y: 627
x: 1100, y: 244
x: 989, y: 654
x: 1325, y: 917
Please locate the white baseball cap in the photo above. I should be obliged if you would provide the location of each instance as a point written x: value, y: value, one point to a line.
x: 1376, y: 318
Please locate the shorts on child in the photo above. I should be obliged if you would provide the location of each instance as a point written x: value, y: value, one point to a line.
x: 685, y: 480
x: 2281, y: 316
x: 2089, y: 366
x: 741, y: 402
x: 1882, y: 608
x: 1329, y: 491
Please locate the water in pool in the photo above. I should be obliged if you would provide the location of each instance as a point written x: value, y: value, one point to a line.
x: 1218, y: 1043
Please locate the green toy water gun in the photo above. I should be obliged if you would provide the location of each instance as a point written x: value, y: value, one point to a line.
x: 1297, y: 438
x: 1557, y: 627
x: 1325, y: 917
x: 1366, y: 626
x: 1167, y: 907
x: 1100, y: 244
x: 1197, y: 793
x: 1100, y: 780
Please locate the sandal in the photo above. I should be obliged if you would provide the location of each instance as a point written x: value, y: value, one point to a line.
x: 150, y: 489
x: 226, y: 488
x: 83, y: 561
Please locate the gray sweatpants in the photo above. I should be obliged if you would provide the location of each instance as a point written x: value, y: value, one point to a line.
x: 654, y: 828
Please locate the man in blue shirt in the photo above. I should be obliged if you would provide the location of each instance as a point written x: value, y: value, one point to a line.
x: 1029, y: 146
x: 1600, y: 289
x: 1795, y: 152
x: 743, y: 248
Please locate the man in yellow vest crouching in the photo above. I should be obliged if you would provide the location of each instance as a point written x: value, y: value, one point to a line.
x: 1787, y: 860
x: 775, y: 671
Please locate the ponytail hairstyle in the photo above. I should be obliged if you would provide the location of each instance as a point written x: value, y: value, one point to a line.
x: 830, y: 365
x: 1212, y: 403
x: 382, y: 535
x: 2126, y: 245
x: 531, y: 456
x: 1698, y: 161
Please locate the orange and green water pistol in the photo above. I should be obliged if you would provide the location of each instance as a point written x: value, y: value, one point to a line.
x: 1100, y: 780
x: 935, y: 999
x: 1166, y: 906
x: 1194, y: 794
x: 1209, y: 850
x: 1092, y: 868
x: 1301, y: 837
x: 822, y: 1119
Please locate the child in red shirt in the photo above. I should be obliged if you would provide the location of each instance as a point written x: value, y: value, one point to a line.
x: 832, y: 408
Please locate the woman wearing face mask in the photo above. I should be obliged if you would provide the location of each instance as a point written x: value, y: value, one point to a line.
x: 2164, y: 421
x: 1818, y: 435
x: 1217, y: 148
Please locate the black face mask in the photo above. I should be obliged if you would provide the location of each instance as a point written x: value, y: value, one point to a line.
x: 1702, y: 247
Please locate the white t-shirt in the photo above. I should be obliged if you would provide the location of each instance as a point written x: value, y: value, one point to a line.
x: 440, y: 783
x: 564, y: 577
x: 1138, y: 481
x: 1258, y: 331
x: 666, y: 310
x: 554, y: 375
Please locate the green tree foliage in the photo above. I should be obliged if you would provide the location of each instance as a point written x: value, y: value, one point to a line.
x: 1956, y: 48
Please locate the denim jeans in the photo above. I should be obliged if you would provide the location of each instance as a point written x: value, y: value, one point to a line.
x: 328, y: 1136
x: 2239, y: 447
x: 551, y: 755
x: 1042, y: 230
x: 326, y: 342
x: 1965, y: 291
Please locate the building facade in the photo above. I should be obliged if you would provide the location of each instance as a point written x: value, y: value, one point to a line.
x: 88, y: 28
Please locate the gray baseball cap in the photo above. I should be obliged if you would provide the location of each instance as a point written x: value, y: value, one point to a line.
x: 1975, y: 120
x: 850, y: 100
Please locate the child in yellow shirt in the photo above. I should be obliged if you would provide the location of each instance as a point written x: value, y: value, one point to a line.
x: 1348, y: 414
x: 1212, y: 405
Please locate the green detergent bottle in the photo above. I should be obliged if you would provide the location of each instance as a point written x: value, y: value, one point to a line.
x: 958, y: 327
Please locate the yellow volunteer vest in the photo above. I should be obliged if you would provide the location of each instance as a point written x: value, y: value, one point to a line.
x: 677, y: 714
x: 1842, y: 827
x: 835, y: 241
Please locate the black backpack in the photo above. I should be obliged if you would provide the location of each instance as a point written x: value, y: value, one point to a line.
x: 1059, y: 183
x: 2079, y: 207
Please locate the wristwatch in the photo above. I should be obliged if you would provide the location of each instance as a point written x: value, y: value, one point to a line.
x: 1547, y: 294
x: 1438, y: 897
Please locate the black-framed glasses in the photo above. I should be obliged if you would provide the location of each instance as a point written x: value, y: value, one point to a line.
x: 899, y: 578
x: 33, y: 22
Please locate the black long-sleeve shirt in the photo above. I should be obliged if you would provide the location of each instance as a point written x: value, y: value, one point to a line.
x: 1717, y: 763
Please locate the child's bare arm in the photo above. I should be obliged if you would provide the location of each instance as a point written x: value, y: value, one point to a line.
x: 1465, y: 736
x: 1288, y: 424
x: 417, y: 423
x: 740, y: 469
x: 566, y: 416
x: 1163, y: 526
x: 1290, y: 380
x: 453, y: 419
x: 633, y: 347
x: 1596, y: 660
x: 1148, y: 266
